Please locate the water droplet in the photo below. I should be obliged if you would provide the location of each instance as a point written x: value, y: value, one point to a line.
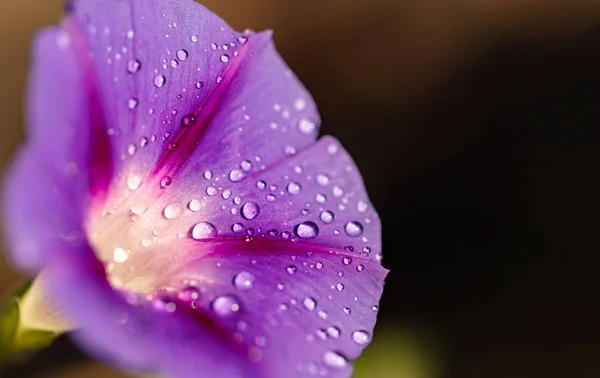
x: 182, y: 54
x: 333, y: 332
x: 208, y: 175
x: 323, y: 179
x: 250, y: 210
x: 353, y: 229
x: 243, y: 281
x: 120, y: 255
x: 309, y: 303
x: 293, y: 188
x: 203, y: 231
x: 199, y: 84
x: 270, y: 197
x: 188, y: 120
x: 360, y: 267
x: 225, y: 305
x: 291, y: 269
x: 320, y: 198
x: 319, y: 265
x: 241, y: 39
x: 211, y: 191
x: 189, y: 294
x: 323, y: 314
x: 224, y: 58
x: 261, y: 185
x: 133, y: 66
x: 174, y: 63
x: 246, y: 165
x: 194, y: 205
x: 347, y: 310
x: 306, y: 126
x: 165, y: 181
x: 237, y: 227
x: 346, y: 260
x: 226, y: 194
x: 173, y: 210
x: 307, y: 230
x: 361, y: 337
x: 213, y: 46
x: 339, y: 287
x: 375, y: 308
x: 326, y: 216
x: 159, y: 81
x: 132, y: 103
x: 235, y: 175
x: 361, y: 206
x: 337, y: 191
x: 194, y: 38
x: 334, y: 360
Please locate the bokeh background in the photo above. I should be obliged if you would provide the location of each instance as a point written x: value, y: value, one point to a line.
x: 476, y: 124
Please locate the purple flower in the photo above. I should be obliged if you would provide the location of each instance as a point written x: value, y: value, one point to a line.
x: 174, y: 194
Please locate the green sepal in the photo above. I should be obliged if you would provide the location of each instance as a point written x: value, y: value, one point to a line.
x: 15, y: 341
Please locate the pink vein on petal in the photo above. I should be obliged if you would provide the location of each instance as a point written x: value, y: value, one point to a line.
x: 189, y: 137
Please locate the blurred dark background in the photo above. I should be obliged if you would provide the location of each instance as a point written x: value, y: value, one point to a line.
x: 476, y: 125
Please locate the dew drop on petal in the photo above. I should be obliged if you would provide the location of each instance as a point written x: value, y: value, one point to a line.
x: 306, y: 126
x: 291, y: 269
x: 173, y: 210
x: 211, y: 191
x: 361, y: 337
x: 208, y: 175
x: 159, y: 81
x: 235, y: 175
x: 224, y: 58
x: 309, y: 303
x: 293, y: 188
x: 194, y: 205
x: 189, y: 294
x: 320, y: 198
x: 250, y: 210
x: 361, y: 206
x: 323, y: 179
x: 333, y: 332
x: 194, y: 38
x: 326, y: 216
x: 353, y: 229
x: 339, y: 287
x: 261, y: 185
x: 188, y: 120
x: 203, y: 231
x: 225, y: 305
x: 133, y: 66
x: 182, y: 54
x: 334, y: 360
x: 237, y: 227
x: 243, y: 281
x: 346, y: 260
x: 307, y: 230
x: 132, y: 103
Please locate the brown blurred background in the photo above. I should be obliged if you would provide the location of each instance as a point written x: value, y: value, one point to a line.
x: 476, y: 126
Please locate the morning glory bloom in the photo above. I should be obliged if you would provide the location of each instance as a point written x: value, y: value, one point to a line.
x: 174, y: 196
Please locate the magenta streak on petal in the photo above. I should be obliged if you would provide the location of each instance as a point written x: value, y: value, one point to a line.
x: 100, y: 162
x: 188, y: 138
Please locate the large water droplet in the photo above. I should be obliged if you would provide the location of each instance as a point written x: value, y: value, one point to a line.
x: 133, y: 66
x: 293, y: 188
x: 235, y: 175
x: 194, y: 205
x: 182, y: 54
x: 306, y: 126
x: 243, y: 281
x: 361, y: 337
x: 250, y: 210
x: 203, y: 231
x: 173, y: 210
x: 307, y: 230
x: 323, y: 179
x: 225, y: 305
x: 334, y: 360
x: 326, y: 216
x: 237, y: 227
x: 309, y: 303
x: 224, y: 58
x: 159, y: 81
x: 353, y: 229
x: 188, y: 120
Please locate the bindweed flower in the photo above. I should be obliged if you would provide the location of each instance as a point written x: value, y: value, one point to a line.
x: 174, y: 196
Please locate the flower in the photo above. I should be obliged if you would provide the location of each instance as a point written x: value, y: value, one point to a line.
x: 172, y: 192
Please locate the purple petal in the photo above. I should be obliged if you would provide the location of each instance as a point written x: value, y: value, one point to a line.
x: 142, y: 337
x: 47, y: 187
x: 301, y: 308
x: 184, y: 86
